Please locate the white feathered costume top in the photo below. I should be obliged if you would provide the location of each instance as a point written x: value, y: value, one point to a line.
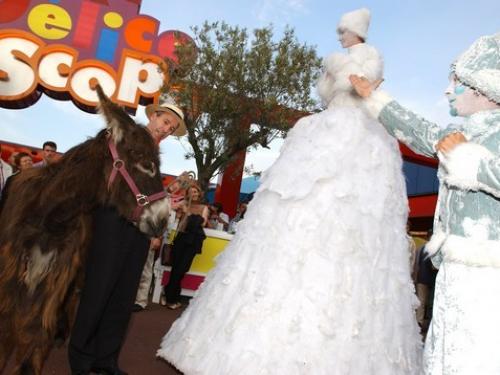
x: 334, y: 86
x: 322, y: 155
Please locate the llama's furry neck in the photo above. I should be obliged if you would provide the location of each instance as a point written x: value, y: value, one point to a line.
x: 80, y: 173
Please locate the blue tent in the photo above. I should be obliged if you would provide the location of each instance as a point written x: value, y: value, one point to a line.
x: 249, y: 184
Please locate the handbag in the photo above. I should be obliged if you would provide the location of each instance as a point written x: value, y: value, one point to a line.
x: 166, y: 254
x: 167, y: 248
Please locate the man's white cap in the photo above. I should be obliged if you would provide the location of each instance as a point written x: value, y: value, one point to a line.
x: 356, y: 21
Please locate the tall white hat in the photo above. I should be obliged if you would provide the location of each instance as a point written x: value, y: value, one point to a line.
x: 356, y: 21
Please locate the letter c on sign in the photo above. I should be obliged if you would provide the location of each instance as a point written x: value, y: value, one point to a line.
x: 137, y: 28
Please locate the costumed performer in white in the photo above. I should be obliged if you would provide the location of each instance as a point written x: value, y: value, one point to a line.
x: 317, y: 278
x: 464, y: 335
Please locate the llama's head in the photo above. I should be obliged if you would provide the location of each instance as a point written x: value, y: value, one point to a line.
x: 140, y: 196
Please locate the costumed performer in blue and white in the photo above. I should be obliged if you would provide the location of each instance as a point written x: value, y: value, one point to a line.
x: 317, y: 278
x: 464, y: 335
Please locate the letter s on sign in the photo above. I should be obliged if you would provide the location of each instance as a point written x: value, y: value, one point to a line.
x: 20, y: 80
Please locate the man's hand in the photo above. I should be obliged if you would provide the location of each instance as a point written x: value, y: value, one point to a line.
x: 155, y: 243
x: 362, y: 86
x: 449, y: 142
x: 176, y: 204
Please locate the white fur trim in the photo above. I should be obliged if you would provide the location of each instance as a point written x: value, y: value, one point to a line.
x: 356, y: 21
x: 435, y: 243
x: 471, y: 251
x: 479, y: 67
x: 462, y: 165
x: 487, y: 82
x: 376, y: 102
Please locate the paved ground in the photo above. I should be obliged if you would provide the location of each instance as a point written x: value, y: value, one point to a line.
x: 138, y: 354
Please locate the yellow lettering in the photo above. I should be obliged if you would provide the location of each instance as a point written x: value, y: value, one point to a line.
x: 49, y: 21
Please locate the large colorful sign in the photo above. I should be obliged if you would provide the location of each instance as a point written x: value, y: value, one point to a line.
x: 63, y: 47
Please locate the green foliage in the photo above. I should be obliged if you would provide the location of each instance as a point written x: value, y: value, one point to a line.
x: 234, y: 80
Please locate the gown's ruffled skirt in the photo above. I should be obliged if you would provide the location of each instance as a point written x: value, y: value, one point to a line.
x: 316, y: 281
x: 464, y: 337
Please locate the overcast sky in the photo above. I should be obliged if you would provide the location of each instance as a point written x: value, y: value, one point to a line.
x: 418, y: 39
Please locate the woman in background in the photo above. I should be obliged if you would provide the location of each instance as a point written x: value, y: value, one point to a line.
x: 188, y: 242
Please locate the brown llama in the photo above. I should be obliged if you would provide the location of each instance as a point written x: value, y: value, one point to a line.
x: 46, y: 224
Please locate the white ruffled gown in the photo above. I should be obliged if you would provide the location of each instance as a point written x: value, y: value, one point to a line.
x: 316, y: 281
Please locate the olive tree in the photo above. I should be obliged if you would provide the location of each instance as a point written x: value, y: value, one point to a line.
x: 240, y: 90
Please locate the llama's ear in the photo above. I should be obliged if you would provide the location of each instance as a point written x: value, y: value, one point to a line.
x: 117, y: 120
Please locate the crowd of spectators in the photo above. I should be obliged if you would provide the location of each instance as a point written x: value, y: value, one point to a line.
x: 19, y: 162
